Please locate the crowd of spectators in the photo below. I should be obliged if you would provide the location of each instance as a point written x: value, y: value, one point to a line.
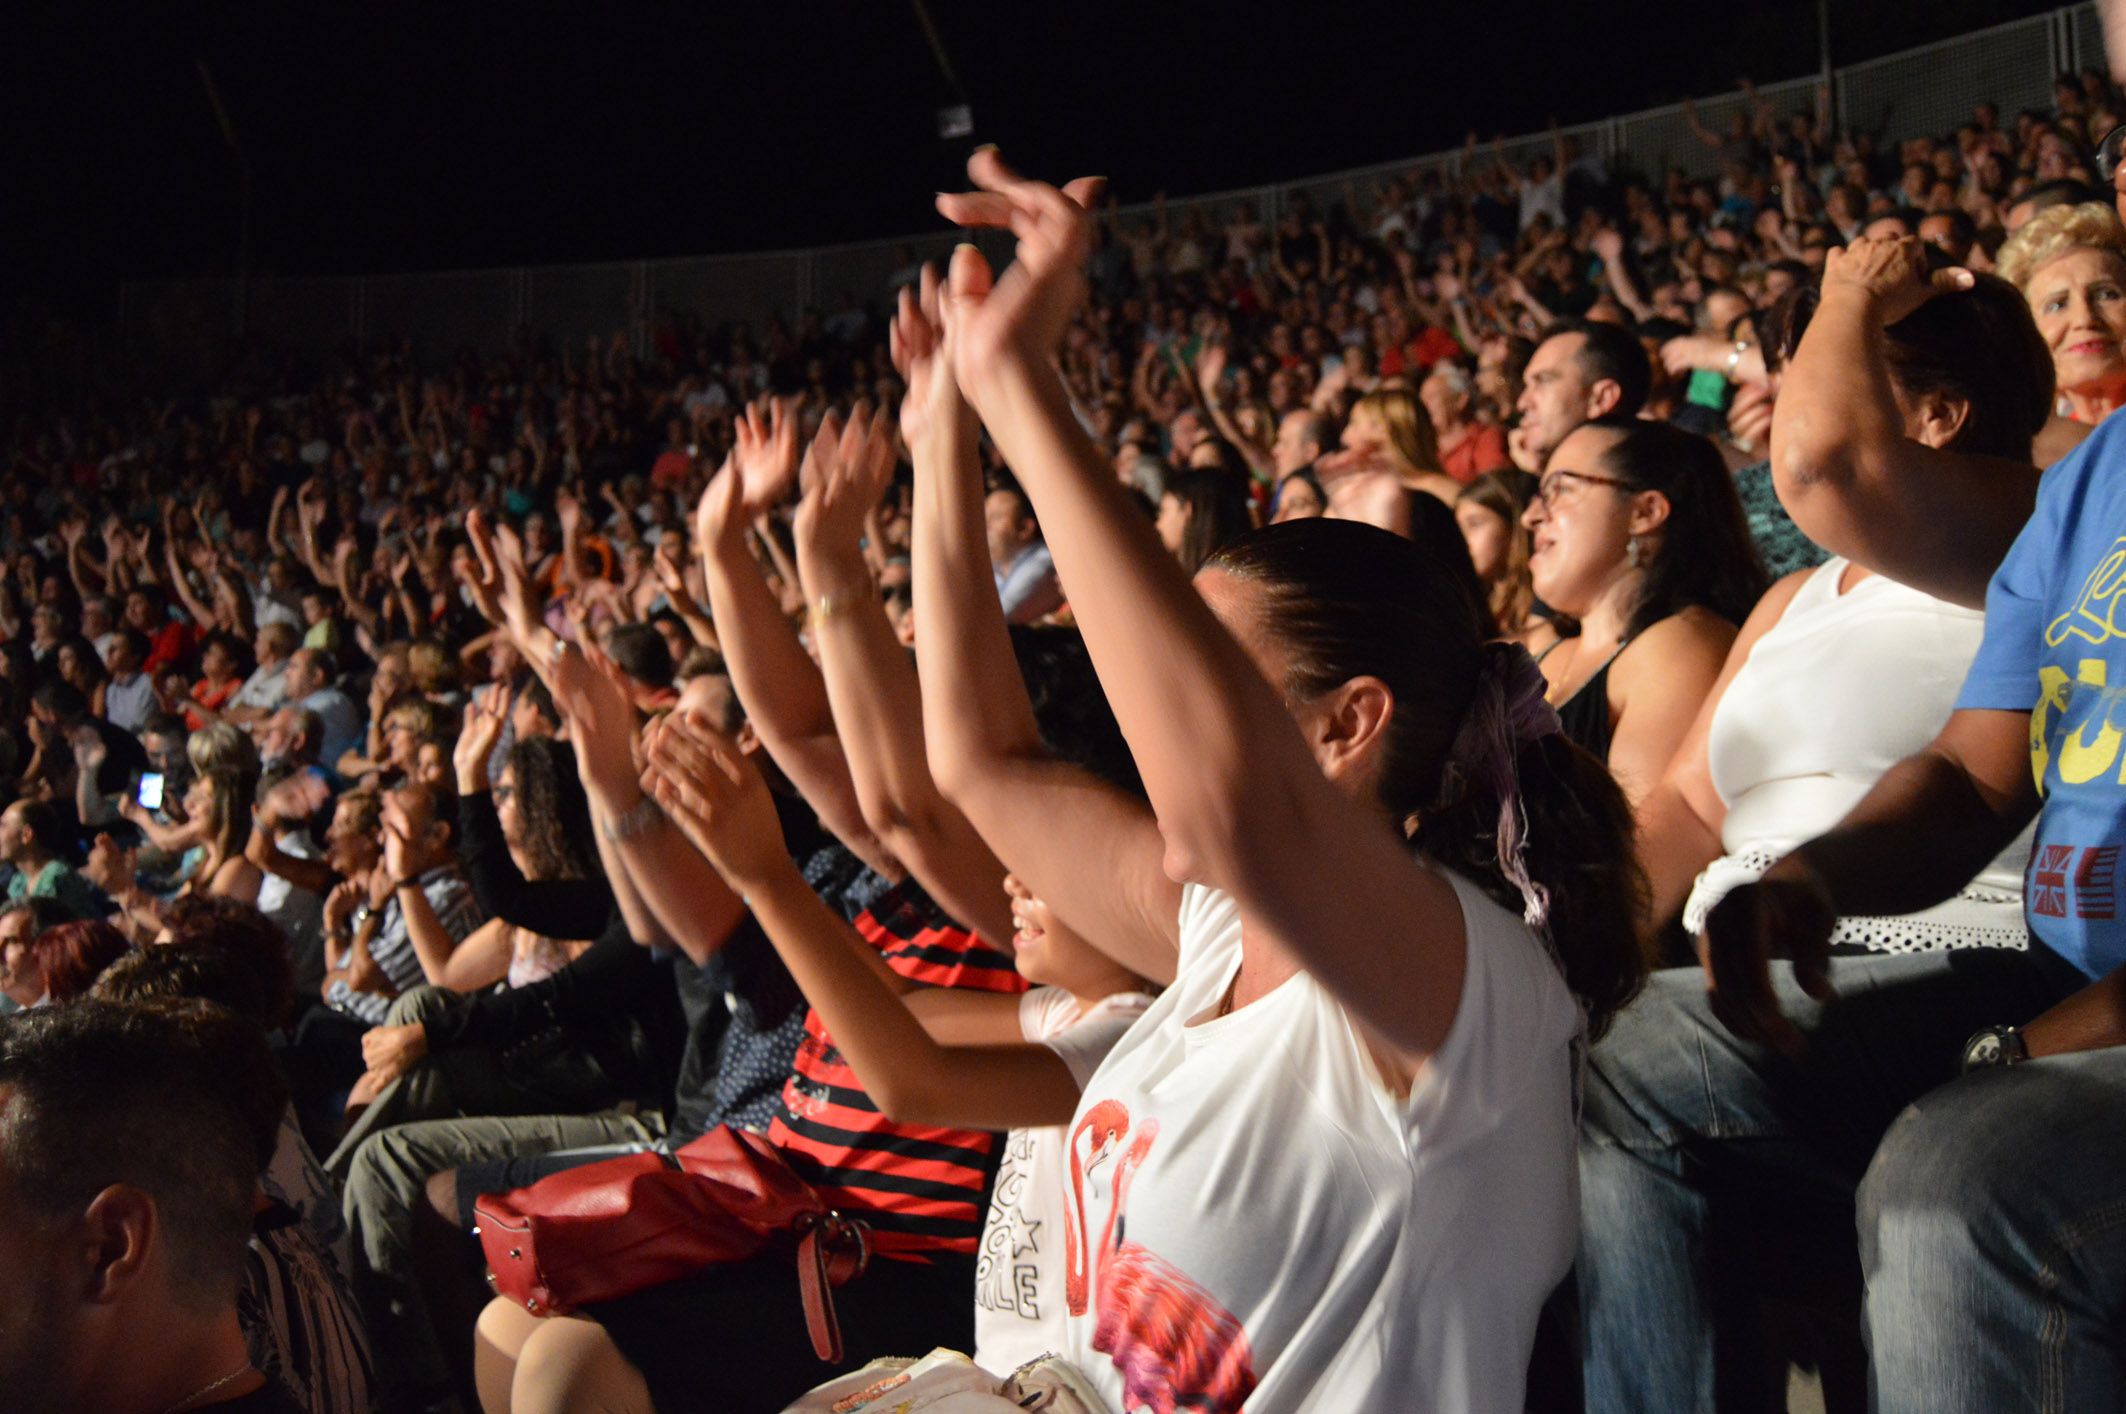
x: 878, y: 732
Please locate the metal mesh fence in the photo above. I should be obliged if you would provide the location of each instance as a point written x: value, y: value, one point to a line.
x: 1933, y: 89
x: 441, y: 315
x: 1662, y: 140
x: 174, y: 332
x: 572, y: 303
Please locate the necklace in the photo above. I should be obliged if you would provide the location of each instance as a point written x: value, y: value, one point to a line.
x: 239, y: 1372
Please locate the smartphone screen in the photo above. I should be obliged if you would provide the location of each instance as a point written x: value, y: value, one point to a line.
x: 151, y: 790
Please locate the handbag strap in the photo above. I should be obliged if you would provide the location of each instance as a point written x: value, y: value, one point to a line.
x: 831, y: 1251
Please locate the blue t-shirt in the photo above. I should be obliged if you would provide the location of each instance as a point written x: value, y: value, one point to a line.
x: 2055, y: 647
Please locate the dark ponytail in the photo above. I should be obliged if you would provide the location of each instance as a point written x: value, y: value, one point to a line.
x: 1348, y: 600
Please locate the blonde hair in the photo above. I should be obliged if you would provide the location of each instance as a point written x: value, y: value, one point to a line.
x: 1407, y: 424
x: 220, y: 748
x: 431, y: 666
x: 2058, y: 231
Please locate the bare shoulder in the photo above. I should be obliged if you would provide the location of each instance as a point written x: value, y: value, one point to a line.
x: 1695, y: 640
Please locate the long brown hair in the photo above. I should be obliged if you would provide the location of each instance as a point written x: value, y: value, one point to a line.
x: 1506, y: 494
x: 1348, y: 600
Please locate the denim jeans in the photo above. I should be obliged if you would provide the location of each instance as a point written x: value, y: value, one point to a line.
x: 1715, y: 1173
x: 384, y: 1182
x: 1993, y: 1237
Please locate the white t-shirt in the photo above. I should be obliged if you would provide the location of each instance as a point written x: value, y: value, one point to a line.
x: 1268, y: 1222
x: 1018, y: 1282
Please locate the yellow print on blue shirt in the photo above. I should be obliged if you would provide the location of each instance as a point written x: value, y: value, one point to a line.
x: 2095, y: 615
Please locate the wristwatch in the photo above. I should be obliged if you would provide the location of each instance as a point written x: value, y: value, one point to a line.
x: 361, y: 915
x: 1996, y: 1045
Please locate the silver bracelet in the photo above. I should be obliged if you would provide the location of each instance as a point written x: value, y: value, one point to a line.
x: 643, y: 814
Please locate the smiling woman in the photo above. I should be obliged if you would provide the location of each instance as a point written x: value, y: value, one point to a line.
x: 2070, y: 263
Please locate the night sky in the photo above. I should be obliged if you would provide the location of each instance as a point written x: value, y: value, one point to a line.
x: 400, y: 136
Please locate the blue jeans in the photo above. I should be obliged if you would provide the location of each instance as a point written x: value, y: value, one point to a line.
x: 1715, y: 1173
x: 1993, y: 1236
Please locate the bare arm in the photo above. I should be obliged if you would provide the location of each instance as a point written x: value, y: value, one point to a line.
x: 1679, y: 820
x: 1241, y: 802
x: 723, y: 805
x: 481, y: 960
x: 1843, y: 466
x: 1927, y: 828
x: 782, y: 689
x: 872, y: 688
x: 1087, y: 848
x: 1660, y: 684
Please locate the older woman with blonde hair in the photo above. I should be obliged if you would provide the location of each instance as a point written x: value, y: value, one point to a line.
x: 2070, y: 264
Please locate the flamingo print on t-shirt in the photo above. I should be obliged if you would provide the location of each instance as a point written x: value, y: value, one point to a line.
x: 1174, y: 1345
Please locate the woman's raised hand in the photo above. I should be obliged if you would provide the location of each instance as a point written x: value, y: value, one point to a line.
x: 1020, y: 316
x: 922, y: 354
x: 500, y: 583
x: 1891, y: 272
x: 766, y: 454
x: 720, y: 518
x: 717, y: 799
x: 484, y: 718
x: 846, y: 471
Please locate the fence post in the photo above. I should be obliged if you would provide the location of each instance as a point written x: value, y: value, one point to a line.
x: 639, y: 316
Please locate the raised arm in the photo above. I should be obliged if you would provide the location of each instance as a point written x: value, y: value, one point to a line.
x: 1241, y: 801
x: 1609, y: 244
x: 666, y: 877
x: 723, y: 805
x: 1938, y: 520
x: 1210, y: 367
x: 1698, y: 129
x: 871, y: 686
x: 1089, y: 849
x: 784, y: 695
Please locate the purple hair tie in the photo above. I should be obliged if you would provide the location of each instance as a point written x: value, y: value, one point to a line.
x: 1507, y: 712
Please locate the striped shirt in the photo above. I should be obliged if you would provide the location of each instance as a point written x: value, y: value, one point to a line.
x: 392, y: 948
x: 922, y: 1189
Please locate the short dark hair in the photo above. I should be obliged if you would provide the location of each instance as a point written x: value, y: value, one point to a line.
x: 1614, y: 353
x: 1979, y: 345
x: 181, y: 1102
x: 60, y: 698
x: 2063, y: 191
x: 246, y: 934
x: 206, y: 972
x: 542, y: 702
x: 46, y: 826
x: 1961, y: 226
x: 641, y: 653
x: 165, y: 724
x: 45, y: 913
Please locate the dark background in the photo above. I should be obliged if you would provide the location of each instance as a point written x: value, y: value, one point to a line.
x: 390, y: 136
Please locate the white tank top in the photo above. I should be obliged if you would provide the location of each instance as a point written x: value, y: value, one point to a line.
x: 1842, y: 688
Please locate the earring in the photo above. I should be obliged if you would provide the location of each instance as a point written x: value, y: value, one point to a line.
x: 1632, y: 552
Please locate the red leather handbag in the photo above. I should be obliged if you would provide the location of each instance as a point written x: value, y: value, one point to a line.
x: 613, y: 1228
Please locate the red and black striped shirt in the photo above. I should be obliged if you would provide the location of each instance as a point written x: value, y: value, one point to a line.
x: 923, y: 1190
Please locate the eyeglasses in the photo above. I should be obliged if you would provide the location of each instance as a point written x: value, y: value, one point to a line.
x: 2109, y: 151
x: 1553, y: 483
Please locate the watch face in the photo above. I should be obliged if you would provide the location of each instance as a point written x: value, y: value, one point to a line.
x: 1984, y: 1049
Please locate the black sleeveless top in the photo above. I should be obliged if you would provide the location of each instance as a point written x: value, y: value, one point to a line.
x: 1585, y: 714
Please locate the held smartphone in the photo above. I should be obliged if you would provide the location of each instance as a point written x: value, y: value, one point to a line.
x: 150, y: 796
